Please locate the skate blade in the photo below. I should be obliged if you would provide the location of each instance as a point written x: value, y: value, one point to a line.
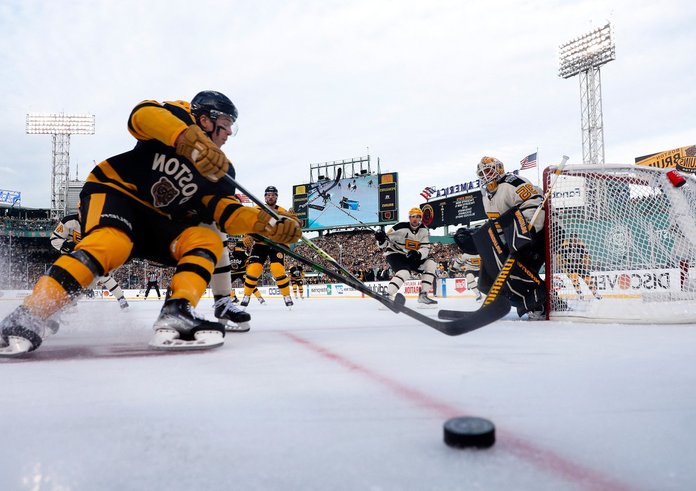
x: 167, y: 340
x: 239, y: 327
x: 16, y: 347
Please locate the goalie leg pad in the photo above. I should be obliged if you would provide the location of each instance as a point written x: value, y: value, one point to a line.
x: 525, y: 289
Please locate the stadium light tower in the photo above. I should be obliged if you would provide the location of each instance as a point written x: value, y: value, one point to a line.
x: 60, y: 126
x: 583, y: 56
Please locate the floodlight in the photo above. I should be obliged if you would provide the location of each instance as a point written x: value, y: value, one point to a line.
x: 583, y: 56
x: 588, y: 51
x: 60, y: 126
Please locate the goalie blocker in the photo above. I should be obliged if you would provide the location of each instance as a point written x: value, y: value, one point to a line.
x: 494, y: 242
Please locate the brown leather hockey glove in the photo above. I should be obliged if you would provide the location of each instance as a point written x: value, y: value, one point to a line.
x: 248, y: 241
x: 285, y: 230
x: 208, y: 159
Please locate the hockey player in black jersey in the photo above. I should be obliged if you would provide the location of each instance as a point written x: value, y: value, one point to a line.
x: 297, y: 276
x: 239, y: 259
x: 261, y: 251
x: 142, y: 203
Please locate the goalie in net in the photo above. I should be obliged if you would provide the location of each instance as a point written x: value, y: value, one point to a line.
x: 621, y: 245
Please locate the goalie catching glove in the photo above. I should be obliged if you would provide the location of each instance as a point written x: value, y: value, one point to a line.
x: 286, y: 230
x: 208, y: 159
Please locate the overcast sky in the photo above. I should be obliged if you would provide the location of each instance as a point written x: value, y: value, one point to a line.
x: 428, y: 86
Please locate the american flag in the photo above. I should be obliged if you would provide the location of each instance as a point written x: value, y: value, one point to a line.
x: 529, y: 162
x: 427, y: 192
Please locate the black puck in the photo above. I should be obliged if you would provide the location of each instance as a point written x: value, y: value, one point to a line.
x: 468, y: 431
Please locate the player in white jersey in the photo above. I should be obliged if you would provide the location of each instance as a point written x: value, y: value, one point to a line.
x: 407, y: 247
x: 510, y: 202
x: 64, y: 239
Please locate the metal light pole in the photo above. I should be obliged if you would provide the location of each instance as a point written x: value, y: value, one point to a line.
x: 583, y: 56
x: 60, y: 126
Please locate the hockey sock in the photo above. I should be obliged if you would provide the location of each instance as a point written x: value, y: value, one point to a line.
x: 281, y: 278
x: 253, y: 273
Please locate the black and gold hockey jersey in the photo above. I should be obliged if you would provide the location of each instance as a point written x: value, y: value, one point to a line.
x: 153, y: 174
x: 297, y: 273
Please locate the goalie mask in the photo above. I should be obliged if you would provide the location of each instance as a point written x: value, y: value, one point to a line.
x: 489, y: 171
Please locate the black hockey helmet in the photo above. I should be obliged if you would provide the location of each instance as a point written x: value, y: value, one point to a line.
x: 213, y: 104
x: 271, y: 189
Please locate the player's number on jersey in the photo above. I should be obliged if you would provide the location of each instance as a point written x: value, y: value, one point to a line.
x: 525, y: 192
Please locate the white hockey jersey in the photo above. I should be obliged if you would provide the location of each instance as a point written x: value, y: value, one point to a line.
x: 514, y: 191
x: 467, y: 263
x: 403, y: 239
x: 68, y: 230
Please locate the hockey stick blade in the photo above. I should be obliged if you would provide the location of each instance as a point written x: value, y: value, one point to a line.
x: 475, y: 319
x: 481, y: 317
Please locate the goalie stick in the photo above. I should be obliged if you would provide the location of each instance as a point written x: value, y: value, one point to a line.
x: 481, y: 317
x: 322, y: 192
x: 501, y: 279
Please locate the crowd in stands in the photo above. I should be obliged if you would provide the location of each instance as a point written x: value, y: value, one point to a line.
x: 24, y: 259
x: 357, y: 251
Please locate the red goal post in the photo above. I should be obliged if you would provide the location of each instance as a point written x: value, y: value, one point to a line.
x: 621, y: 244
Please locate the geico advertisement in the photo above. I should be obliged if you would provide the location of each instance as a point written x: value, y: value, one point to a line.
x: 623, y: 282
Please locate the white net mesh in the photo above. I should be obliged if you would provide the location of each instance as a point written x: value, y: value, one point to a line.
x: 621, y: 242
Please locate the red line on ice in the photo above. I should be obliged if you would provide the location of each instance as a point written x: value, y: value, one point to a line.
x: 576, y: 473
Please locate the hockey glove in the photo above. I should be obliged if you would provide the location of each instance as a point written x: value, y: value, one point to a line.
x: 465, y: 240
x: 248, y: 241
x: 67, y: 247
x: 285, y: 230
x: 208, y: 159
x: 381, y: 237
x: 414, y: 259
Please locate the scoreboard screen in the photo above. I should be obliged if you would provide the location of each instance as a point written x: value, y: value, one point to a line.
x: 365, y: 199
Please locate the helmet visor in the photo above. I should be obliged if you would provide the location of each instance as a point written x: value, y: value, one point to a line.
x: 224, y: 121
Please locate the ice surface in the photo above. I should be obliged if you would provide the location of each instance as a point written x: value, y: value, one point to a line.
x: 338, y: 395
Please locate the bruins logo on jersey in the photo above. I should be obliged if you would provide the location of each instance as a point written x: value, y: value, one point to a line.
x: 163, y: 192
x: 279, y: 255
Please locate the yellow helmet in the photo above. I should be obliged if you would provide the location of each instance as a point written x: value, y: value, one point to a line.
x: 488, y: 171
x: 415, y: 211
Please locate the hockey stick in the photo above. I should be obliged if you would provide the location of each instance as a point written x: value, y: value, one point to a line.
x: 501, y: 279
x: 455, y: 327
x: 323, y: 192
x: 481, y: 318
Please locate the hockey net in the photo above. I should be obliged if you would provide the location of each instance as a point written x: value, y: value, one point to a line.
x: 621, y: 245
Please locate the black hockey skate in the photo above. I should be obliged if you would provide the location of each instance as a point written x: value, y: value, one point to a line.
x: 232, y: 317
x: 23, y: 332
x: 178, y: 327
x: 288, y: 301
